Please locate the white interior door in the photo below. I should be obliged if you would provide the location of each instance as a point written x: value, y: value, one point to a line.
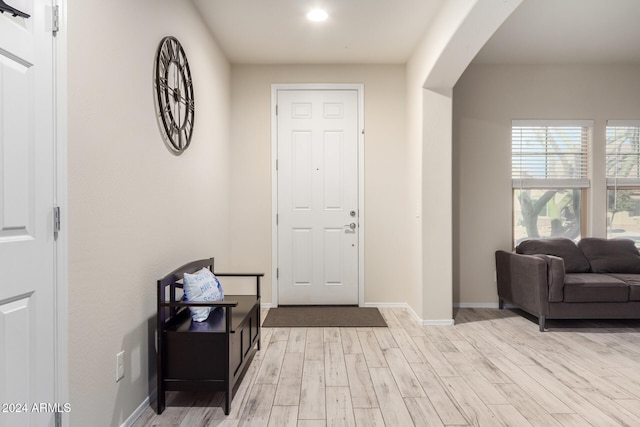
x: 317, y: 133
x: 27, y: 245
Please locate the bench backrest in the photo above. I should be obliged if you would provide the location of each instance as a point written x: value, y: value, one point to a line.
x: 173, y: 280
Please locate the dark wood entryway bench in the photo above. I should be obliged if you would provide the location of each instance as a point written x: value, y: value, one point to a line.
x: 205, y: 356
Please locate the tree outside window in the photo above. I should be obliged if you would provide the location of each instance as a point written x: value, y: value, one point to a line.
x: 544, y: 213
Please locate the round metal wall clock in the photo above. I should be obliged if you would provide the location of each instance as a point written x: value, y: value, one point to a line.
x: 174, y: 95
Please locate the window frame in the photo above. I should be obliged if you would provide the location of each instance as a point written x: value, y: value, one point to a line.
x: 614, y: 182
x: 556, y: 179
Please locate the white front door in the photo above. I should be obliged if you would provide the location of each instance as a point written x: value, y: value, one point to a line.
x: 317, y: 152
x: 27, y: 245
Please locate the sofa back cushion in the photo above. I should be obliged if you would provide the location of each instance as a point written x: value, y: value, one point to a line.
x: 611, y: 256
x: 574, y: 259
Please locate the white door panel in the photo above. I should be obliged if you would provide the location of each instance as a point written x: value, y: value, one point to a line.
x: 16, y: 148
x: 27, y: 245
x: 17, y: 49
x: 317, y: 196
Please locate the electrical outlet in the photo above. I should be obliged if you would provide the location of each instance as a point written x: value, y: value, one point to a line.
x: 120, y: 366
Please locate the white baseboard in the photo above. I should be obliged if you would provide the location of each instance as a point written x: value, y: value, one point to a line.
x: 140, y: 409
x: 266, y: 305
x: 475, y: 305
x: 386, y: 304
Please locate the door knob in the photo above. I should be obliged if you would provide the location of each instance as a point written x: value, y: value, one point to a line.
x: 351, y: 226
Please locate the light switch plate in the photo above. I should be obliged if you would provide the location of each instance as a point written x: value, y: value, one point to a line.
x: 119, y: 366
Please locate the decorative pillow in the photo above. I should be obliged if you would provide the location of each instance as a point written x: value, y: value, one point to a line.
x: 574, y: 259
x: 611, y: 256
x: 201, y: 286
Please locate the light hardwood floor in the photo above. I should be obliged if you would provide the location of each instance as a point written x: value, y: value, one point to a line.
x: 492, y: 369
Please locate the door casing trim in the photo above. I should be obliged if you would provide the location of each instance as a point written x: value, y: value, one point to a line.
x: 359, y: 88
x: 60, y: 193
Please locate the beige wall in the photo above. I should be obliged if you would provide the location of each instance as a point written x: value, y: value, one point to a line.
x: 135, y: 211
x: 449, y: 44
x: 486, y: 99
x: 386, y: 201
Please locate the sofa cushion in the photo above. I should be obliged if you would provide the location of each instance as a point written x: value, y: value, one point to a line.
x: 574, y: 259
x: 633, y: 280
x: 611, y: 256
x: 590, y: 287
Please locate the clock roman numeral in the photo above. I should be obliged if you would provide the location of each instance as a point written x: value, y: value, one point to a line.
x: 166, y: 109
x: 170, y: 52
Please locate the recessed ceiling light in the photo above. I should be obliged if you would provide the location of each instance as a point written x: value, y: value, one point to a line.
x: 317, y: 15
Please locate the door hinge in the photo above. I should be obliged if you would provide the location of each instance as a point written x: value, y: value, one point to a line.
x: 363, y: 131
x: 277, y: 219
x: 276, y: 164
x: 56, y: 219
x: 277, y: 273
x: 276, y: 109
x: 55, y: 19
x: 58, y: 419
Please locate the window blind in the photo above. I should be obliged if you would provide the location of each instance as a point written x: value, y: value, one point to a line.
x: 623, y: 153
x: 550, y: 153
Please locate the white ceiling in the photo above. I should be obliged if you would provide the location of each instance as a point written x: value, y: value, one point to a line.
x: 567, y: 32
x: 278, y: 32
x: 387, y: 31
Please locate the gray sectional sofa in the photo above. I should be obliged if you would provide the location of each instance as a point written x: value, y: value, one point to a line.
x: 558, y: 279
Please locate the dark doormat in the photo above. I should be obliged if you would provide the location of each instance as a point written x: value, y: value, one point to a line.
x: 323, y: 316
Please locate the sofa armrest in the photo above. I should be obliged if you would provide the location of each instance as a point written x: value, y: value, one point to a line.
x: 555, y: 277
x: 523, y: 281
